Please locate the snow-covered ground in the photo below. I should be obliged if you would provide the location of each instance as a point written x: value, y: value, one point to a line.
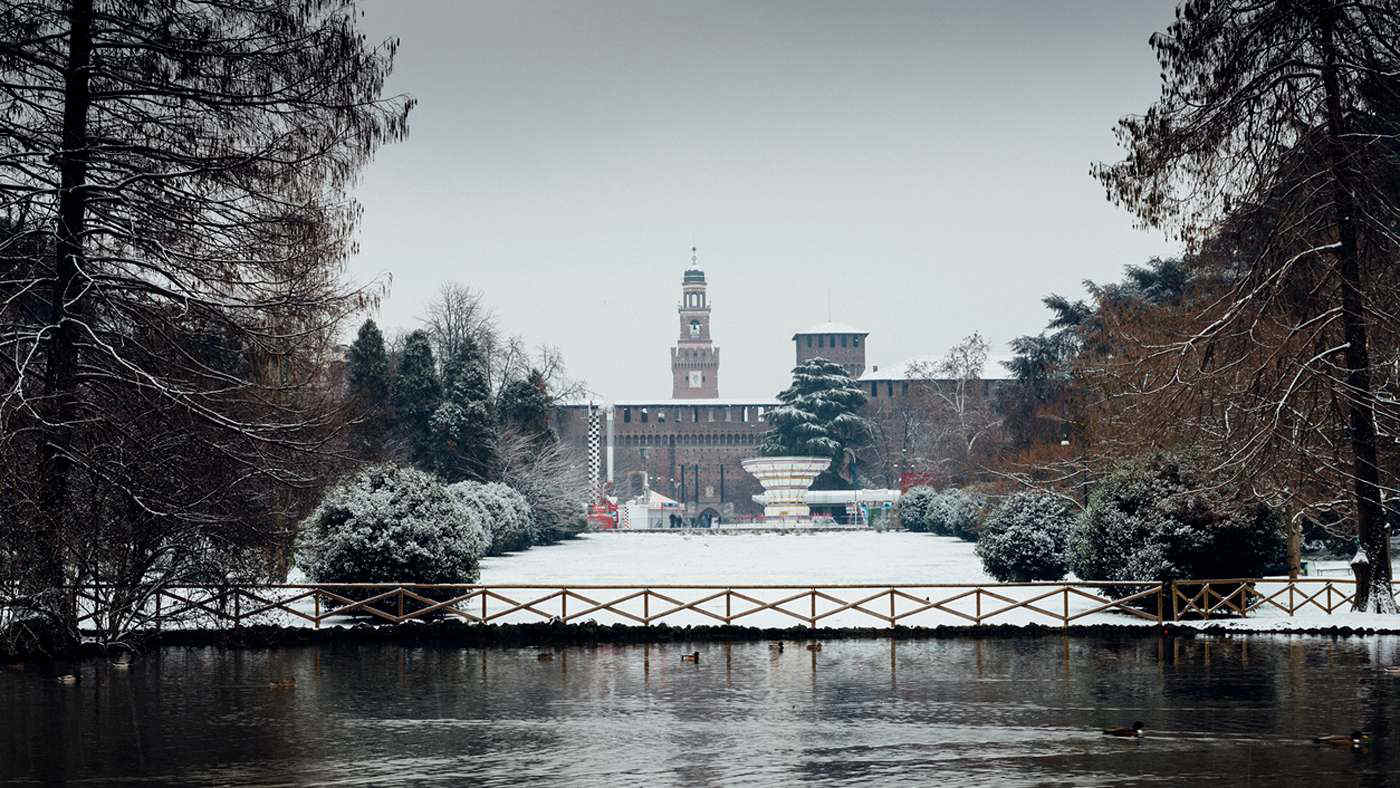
x: 764, y: 558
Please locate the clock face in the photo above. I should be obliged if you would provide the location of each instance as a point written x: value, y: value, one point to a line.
x: 697, y: 378
x: 695, y: 328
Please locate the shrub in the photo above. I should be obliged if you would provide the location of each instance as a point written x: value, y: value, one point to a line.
x: 913, y: 508
x: 1159, y: 518
x: 388, y: 523
x: 505, y: 513
x: 1025, y: 538
x: 955, y: 512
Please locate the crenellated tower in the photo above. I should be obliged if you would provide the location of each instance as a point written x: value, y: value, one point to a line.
x: 694, y: 359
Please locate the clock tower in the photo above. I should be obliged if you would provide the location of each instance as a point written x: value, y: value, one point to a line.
x: 694, y: 359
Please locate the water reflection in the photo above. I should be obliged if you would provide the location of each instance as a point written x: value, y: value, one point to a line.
x: 1223, y: 711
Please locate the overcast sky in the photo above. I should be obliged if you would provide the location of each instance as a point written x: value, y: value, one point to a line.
x: 926, y: 164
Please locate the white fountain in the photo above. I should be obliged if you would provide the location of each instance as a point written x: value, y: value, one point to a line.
x: 785, y: 481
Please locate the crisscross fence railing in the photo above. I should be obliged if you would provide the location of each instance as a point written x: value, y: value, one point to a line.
x: 849, y: 605
x: 814, y: 605
x: 1245, y: 596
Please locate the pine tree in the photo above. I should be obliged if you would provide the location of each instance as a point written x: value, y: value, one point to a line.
x: 367, y: 388
x: 464, y: 422
x: 526, y: 406
x: 417, y: 393
x: 819, y: 417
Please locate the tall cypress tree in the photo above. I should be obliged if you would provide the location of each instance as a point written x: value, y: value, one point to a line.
x: 417, y: 392
x: 367, y: 388
x: 464, y: 422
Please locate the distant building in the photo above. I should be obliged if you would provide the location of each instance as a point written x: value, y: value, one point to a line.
x: 834, y: 342
x: 688, y: 448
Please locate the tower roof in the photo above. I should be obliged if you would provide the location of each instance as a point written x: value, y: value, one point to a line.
x: 694, y: 276
x: 831, y: 328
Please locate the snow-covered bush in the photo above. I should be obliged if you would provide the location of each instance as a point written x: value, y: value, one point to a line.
x: 1160, y: 518
x: 913, y: 508
x: 504, y: 512
x: 955, y: 512
x: 1024, y: 538
x: 389, y: 523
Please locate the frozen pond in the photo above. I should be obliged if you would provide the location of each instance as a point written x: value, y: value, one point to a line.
x: 954, y: 712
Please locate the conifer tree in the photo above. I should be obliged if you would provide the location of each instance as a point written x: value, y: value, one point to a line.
x: 464, y: 422
x: 367, y: 387
x: 526, y: 406
x: 819, y: 417
x: 417, y: 393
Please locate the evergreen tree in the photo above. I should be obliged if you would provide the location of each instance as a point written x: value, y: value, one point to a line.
x: 367, y: 387
x: 526, y: 406
x: 464, y: 422
x: 819, y: 417
x: 416, y: 396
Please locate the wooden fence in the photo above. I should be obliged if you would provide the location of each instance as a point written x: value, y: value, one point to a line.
x: 1244, y: 596
x: 849, y: 605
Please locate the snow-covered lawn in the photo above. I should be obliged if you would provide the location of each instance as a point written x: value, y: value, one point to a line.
x: 765, y: 558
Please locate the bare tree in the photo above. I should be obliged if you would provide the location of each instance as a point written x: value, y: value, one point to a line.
x: 960, y: 423
x: 554, y: 479
x: 459, y: 315
x: 1276, y: 127
x: 188, y: 166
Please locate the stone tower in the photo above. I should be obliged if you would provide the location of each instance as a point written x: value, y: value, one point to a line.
x: 834, y: 342
x: 694, y: 359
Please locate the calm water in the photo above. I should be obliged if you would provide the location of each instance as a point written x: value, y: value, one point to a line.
x: 956, y: 712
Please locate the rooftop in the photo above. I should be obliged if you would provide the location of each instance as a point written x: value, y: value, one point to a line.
x: 830, y: 327
x: 693, y: 276
x: 762, y: 402
x: 926, y: 368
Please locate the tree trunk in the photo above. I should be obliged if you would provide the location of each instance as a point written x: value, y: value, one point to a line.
x: 1295, y: 547
x: 61, y: 362
x: 1373, y: 591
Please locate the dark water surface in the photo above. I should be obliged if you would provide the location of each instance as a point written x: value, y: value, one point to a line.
x: 1024, y: 711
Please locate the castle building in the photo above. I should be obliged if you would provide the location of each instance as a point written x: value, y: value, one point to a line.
x: 689, y: 447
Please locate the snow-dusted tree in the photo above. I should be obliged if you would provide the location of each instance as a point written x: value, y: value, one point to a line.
x: 505, y: 513
x: 417, y: 394
x: 390, y: 524
x: 1283, y: 113
x: 1167, y: 517
x: 1025, y: 536
x: 188, y: 165
x: 463, y: 426
x: 367, y: 389
x: 913, y: 508
x: 955, y: 512
x: 552, y: 477
x: 819, y: 417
